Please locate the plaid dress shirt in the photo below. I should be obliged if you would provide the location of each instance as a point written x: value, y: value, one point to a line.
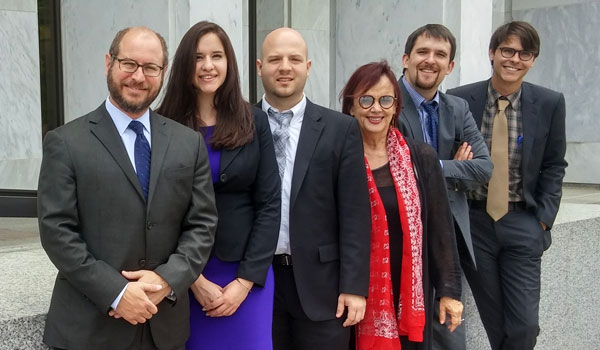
x: 515, y: 140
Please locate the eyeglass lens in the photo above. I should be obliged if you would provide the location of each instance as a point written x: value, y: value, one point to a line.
x: 130, y: 66
x: 508, y: 52
x: 367, y: 101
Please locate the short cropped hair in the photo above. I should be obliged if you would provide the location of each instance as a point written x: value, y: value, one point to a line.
x: 437, y: 31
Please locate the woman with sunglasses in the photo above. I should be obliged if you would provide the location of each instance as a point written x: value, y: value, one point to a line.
x: 413, y: 249
x: 231, y: 303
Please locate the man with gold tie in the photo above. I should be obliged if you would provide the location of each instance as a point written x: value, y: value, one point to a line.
x: 524, y: 126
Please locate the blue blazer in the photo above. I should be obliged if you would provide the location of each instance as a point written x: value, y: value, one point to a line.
x: 248, y: 199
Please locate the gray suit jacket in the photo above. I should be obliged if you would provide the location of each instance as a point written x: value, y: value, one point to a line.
x: 456, y: 125
x: 95, y: 222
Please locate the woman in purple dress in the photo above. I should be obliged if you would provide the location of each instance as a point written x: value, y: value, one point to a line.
x: 232, y: 300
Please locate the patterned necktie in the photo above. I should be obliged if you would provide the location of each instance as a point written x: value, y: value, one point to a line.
x: 431, y: 122
x: 281, y: 135
x: 142, y: 156
x: 497, y: 197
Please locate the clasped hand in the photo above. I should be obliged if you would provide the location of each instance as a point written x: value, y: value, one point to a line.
x: 145, y: 290
x: 220, y: 301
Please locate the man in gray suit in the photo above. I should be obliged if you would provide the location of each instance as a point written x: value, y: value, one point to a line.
x: 444, y: 122
x: 126, y: 212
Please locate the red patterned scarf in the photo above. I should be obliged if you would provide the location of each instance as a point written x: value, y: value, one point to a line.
x: 381, y: 327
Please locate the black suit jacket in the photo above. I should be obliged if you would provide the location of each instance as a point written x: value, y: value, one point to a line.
x: 95, y: 222
x: 543, y: 146
x: 330, y: 216
x: 456, y: 125
x: 248, y: 197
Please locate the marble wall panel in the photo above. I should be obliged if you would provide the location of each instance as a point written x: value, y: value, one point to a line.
x: 518, y: 5
x: 20, y: 174
x: 20, y: 116
x: 310, y: 14
x: 317, y: 84
x: 19, y: 5
x: 568, y: 62
x: 87, y: 31
x: 270, y: 14
x: 474, y: 37
x: 312, y: 19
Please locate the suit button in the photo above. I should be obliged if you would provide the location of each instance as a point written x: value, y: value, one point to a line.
x: 142, y: 263
x: 223, y: 178
x: 149, y: 225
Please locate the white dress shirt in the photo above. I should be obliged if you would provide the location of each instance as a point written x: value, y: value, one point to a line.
x: 128, y: 137
x: 283, y: 242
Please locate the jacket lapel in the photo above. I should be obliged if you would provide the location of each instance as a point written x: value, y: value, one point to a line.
x: 530, y: 119
x: 161, y: 135
x: 227, y: 157
x: 102, y: 126
x: 411, y: 115
x: 310, y: 132
x: 446, y: 129
x: 477, y: 101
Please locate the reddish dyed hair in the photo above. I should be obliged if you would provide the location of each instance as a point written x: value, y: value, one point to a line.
x: 364, y: 78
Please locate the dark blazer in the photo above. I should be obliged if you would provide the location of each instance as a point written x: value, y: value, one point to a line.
x: 456, y: 125
x: 248, y: 197
x: 330, y: 216
x: 95, y: 222
x: 543, y: 147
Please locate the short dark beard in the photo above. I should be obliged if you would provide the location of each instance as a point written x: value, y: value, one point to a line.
x: 133, y: 108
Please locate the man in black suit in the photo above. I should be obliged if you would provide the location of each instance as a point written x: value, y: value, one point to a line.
x: 428, y: 58
x: 512, y: 216
x: 322, y: 259
x: 126, y: 212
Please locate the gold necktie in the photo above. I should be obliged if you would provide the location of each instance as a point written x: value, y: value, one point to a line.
x: 497, y: 197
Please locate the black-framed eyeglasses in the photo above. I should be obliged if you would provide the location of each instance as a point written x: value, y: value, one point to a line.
x: 508, y: 52
x: 128, y: 65
x: 367, y: 101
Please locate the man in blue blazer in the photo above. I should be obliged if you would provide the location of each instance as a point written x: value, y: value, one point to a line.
x: 464, y: 157
x: 126, y: 212
x: 321, y: 263
x: 510, y: 234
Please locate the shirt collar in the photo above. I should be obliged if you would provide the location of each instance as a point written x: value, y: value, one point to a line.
x: 513, y: 98
x: 298, y: 109
x: 416, y: 97
x: 122, y: 120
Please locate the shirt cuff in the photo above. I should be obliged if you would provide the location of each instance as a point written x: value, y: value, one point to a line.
x: 115, y: 303
x: 172, y: 297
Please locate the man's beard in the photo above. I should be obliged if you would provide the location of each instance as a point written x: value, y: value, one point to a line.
x: 121, y: 101
x: 425, y: 85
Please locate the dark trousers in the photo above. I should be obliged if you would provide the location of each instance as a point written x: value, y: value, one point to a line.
x: 292, y: 329
x: 506, y: 284
x: 142, y: 341
x: 442, y: 338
